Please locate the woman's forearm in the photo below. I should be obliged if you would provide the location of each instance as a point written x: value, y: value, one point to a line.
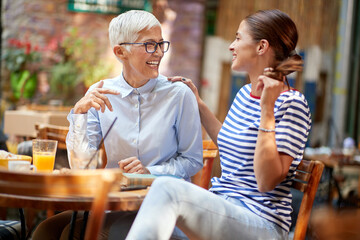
x: 268, y: 166
x: 209, y: 121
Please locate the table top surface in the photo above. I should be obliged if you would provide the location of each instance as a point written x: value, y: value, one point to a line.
x: 68, y: 190
x: 333, y: 160
x: 119, y: 201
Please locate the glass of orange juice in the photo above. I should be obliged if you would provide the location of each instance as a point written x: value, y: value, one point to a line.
x: 44, y: 152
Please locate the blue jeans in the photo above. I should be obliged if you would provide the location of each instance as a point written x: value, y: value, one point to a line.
x: 199, y: 213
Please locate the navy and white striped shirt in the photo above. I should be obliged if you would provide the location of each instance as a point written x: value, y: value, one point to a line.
x: 237, y: 140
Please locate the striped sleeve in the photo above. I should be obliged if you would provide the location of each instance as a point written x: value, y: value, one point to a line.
x: 293, y: 121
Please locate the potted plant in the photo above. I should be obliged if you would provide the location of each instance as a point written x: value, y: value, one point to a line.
x: 20, y: 59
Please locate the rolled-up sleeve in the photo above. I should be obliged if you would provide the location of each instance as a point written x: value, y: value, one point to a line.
x: 77, y: 139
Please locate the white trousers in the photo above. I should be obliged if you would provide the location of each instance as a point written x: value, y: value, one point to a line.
x: 199, y: 213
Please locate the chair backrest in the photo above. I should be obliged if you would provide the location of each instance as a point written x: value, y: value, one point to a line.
x: 210, y: 152
x: 59, y: 133
x: 94, y: 184
x: 53, y: 132
x: 47, y: 108
x: 307, y: 178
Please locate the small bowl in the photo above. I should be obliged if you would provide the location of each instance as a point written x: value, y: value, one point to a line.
x: 4, y: 161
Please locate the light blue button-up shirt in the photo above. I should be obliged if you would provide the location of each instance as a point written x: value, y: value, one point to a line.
x: 159, y: 123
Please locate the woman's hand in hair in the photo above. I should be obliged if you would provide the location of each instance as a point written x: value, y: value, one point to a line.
x: 271, y: 89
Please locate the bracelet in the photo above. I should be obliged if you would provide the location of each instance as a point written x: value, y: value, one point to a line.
x: 266, y: 130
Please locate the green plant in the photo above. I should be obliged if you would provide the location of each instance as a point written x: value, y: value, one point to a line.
x: 64, y: 77
x: 20, y: 58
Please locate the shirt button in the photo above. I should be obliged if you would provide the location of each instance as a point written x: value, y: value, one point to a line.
x: 136, y: 124
x: 136, y: 105
x: 134, y: 141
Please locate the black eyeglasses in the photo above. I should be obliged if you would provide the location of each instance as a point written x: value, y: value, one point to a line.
x: 150, y: 47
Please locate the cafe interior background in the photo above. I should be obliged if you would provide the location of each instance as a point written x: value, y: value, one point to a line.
x: 52, y: 51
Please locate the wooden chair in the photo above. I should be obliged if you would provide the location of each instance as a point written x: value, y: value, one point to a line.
x: 47, y: 108
x: 307, y: 178
x: 93, y: 184
x: 52, y: 132
x: 210, y: 152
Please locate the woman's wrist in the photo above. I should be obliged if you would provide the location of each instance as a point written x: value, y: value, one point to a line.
x: 267, y: 122
x: 77, y: 110
x: 201, y: 104
x: 266, y: 130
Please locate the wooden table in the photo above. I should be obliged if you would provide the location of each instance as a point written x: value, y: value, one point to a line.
x: 96, y: 190
x: 118, y: 201
x: 332, y: 161
x: 327, y: 223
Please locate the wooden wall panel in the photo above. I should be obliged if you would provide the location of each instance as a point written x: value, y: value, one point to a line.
x: 316, y: 19
x: 225, y: 87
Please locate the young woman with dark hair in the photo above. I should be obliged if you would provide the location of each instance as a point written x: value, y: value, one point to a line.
x: 261, y: 142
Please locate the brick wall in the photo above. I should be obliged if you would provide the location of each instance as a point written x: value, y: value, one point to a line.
x: 43, y: 21
x: 185, y: 28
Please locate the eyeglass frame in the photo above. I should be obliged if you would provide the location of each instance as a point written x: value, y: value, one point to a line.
x: 146, y: 43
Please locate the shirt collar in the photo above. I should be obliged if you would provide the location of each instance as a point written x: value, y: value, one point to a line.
x: 144, y: 91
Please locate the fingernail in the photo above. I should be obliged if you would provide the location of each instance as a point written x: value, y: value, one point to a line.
x: 183, y: 79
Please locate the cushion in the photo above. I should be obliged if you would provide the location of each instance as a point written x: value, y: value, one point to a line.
x: 10, y: 230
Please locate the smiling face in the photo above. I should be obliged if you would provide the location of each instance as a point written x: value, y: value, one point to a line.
x: 140, y: 66
x: 244, y: 50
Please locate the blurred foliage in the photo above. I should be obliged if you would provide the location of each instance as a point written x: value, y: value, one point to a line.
x: 19, y: 55
x: 80, y: 64
x: 64, y: 80
x: 20, y: 59
x: 23, y: 84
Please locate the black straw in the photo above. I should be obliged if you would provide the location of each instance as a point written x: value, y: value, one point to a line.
x: 101, y: 142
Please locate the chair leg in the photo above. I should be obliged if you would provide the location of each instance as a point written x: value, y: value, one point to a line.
x: 85, y: 218
x: 206, y: 173
x: 340, y: 197
x: 23, y: 226
x: 30, y: 219
x: 72, y: 225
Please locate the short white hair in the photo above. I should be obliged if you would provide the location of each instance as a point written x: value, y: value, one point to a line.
x: 126, y: 26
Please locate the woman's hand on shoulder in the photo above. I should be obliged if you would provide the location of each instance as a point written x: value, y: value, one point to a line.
x: 95, y: 98
x: 188, y: 82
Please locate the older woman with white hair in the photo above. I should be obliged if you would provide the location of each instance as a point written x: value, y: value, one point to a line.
x: 158, y: 129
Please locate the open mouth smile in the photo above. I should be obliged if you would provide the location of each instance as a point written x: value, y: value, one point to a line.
x: 153, y: 63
